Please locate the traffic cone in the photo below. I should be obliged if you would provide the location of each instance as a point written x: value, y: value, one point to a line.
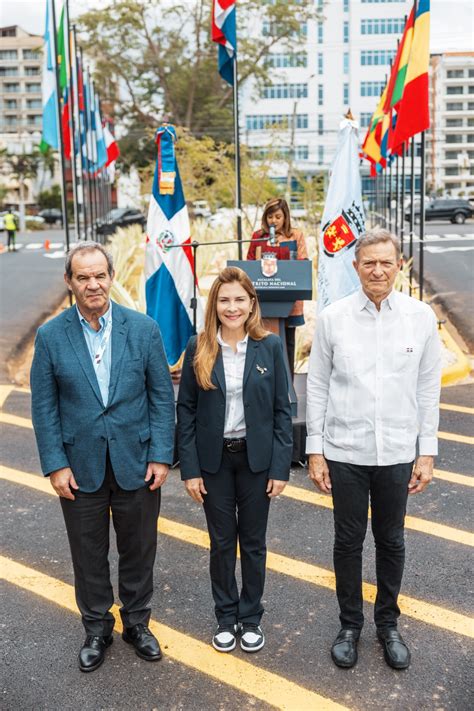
x: 47, y: 244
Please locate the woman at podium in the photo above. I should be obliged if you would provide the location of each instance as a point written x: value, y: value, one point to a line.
x: 282, y: 241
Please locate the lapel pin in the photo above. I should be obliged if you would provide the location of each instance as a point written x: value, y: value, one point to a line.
x: 261, y: 370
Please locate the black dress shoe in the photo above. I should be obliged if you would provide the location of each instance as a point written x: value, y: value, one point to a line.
x: 145, y: 643
x: 396, y: 653
x: 344, y: 648
x: 92, y: 652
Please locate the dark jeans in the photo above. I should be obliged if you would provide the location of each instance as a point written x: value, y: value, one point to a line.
x: 290, y: 332
x: 388, y: 489
x: 236, y: 507
x: 135, y: 516
x: 11, y: 239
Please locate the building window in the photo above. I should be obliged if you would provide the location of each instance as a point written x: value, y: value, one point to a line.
x: 451, y: 171
x: 470, y: 138
x: 320, y: 124
x: 470, y: 105
x: 32, y: 71
x: 6, y: 54
x: 470, y: 73
x: 376, y: 57
x: 453, y: 138
x: 455, y: 73
x: 33, y: 104
x: 33, y: 88
x: 320, y: 63
x: 452, y: 122
x: 346, y: 63
x: 320, y: 154
x: 380, y: 1
x: 8, y: 71
x: 301, y: 153
x: 346, y: 93
x: 285, y: 91
x: 382, y: 26
x: 11, y: 103
x: 451, y: 155
x: 264, y: 121
x: 455, y: 90
x: 346, y: 5
x: 345, y: 32
x: 470, y: 89
x: 272, y: 29
x: 371, y: 88
x: 31, y: 54
x: 365, y: 119
x: 11, y: 88
x: 320, y: 94
x: 454, y: 106
x: 320, y: 33
x: 470, y: 122
x: 293, y: 59
x: 35, y: 120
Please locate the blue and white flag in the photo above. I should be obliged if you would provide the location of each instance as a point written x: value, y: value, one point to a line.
x: 48, y: 86
x: 100, y: 139
x: 224, y: 32
x: 169, y: 264
x: 343, y: 221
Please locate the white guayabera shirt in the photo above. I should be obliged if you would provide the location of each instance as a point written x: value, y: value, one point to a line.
x: 374, y: 381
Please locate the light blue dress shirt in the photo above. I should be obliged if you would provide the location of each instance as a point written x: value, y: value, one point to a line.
x: 94, y: 340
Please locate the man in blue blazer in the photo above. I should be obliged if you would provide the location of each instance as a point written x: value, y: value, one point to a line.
x: 103, y: 414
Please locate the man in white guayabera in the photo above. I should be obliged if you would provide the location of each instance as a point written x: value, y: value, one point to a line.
x: 373, y: 397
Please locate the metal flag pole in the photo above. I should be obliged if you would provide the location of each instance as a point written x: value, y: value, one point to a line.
x: 238, y: 194
x: 79, y: 134
x: 389, y: 197
x: 402, y: 200
x: 422, y: 213
x: 412, y: 210
x: 72, y: 124
x: 60, y: 133
x: 397, y: 205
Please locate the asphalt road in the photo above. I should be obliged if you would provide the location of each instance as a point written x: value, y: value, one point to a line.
x: 449, y: 272
x: 42, y: 631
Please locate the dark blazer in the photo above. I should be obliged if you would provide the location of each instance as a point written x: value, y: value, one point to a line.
x: 201, y: 413
x: 72, y: 426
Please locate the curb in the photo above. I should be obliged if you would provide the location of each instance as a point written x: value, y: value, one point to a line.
x: 452, y: 374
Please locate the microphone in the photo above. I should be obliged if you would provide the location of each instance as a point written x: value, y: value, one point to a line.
x: 272, y: 239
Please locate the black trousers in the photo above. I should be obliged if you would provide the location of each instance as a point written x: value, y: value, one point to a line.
x: 11, y: 239
x: 388, y: 489
x: 134, y: 516
x: 290, y: 332
x: 236, y: 507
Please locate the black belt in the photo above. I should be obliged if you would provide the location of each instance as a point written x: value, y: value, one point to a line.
x: 235, y: 445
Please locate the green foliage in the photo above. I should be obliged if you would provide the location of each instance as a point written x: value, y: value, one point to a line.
x: 50, y: 198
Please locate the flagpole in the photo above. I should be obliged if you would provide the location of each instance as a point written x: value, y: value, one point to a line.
x: 402, y: 200
x: 60, y: 132
x: 412, y: 209
x: 79, y: 136
x: 390, y: 223
x: 422, y: 213
x: 238, y: 196
x: 397, y: 205
x: 72, y: 94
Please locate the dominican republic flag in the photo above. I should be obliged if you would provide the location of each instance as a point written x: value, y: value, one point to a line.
x: 343, y: 221
x: 225, y: 34
x: 169, y: 271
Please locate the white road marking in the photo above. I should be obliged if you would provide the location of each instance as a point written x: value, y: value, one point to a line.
x: 439, y: 250
x: 58, y: 255
x: 34, y: 245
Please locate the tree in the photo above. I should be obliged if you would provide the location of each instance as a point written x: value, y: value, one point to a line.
x: 50, y: 198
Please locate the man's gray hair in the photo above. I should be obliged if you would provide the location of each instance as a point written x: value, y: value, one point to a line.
x: 87, y: 246
x: 375, y: 236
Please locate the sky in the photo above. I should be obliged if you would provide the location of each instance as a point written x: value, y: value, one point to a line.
x: 452, y: 21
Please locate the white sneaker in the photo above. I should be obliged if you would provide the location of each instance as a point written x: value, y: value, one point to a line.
x: 224, y: 639
x: 252, y: 638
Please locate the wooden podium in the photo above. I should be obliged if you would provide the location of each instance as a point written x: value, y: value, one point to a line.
x: 277, y: 294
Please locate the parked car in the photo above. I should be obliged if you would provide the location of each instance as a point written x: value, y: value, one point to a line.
x: 455, y: 210
x: 51, y: 215
x: 120, y: 217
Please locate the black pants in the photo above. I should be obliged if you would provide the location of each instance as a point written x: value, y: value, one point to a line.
x: 11, y: 239
x: 388, y: 489
x: 236, y: 507
x: 135, y: 516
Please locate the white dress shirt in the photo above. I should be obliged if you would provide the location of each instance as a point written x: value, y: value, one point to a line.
x: 374, y: 381
x: 99, y: 345
x: 234, y: 364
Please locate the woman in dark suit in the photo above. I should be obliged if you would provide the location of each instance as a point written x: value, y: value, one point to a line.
x: 235, y: 445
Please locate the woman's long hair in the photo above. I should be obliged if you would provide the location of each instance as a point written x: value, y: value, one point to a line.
x: 271, y: 207
x: 207, y: 345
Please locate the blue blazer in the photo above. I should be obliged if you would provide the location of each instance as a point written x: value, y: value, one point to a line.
x: 201, y: 413
x: 72, y: 426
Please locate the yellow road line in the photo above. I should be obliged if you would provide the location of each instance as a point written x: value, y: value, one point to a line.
x: 452, y: 437
x: 5, y: 391
x: 453, y: 477
x: 8, y: 419
x: 248, y: 678
x: 307, y: 572
x: 412, y: 522
x: 456, y: 408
